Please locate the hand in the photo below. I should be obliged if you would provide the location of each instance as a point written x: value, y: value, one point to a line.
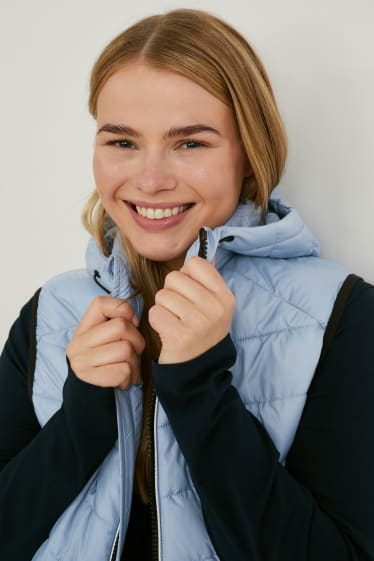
x: 193, y: 311
x: 105, y: 346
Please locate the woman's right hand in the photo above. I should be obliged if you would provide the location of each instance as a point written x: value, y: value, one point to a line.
x: 105, y: 346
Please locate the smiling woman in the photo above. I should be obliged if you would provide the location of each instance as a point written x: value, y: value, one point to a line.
x: 203, y: 389
x: 163, y: 160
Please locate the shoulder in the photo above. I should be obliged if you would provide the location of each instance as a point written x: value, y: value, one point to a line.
x: 63, y: 299
x: 17, y: 346
x: 353, y: 307
x: 347, y: 355
x: 362, y: 295
x: 357, y: 308
x: 66, y: 281
x: 307, y: 284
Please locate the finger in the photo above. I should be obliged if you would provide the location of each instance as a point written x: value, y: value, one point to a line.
x: 103, y: 308
x: 206, y: 274
x: 118, y: 329
x: 87, y: 366
x: 162, y: 320
x: 135, y: 373
x: 176, y: 303
x: 112, y: 353
x: 191, y: 289
x: 119, y: 375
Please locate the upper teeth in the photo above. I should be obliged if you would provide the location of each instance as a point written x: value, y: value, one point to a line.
x: 157, y: 213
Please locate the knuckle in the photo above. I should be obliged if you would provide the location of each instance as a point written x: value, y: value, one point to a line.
x: 120, y: 325
x: 71, y: 352
x: 126, y: 348
x: 125, y: 307
x: 195, y: 260
x: 171, y: 278
x: 152, y: 314
x: 99, y: 301
x: 160, y: 295
x: 76, y: 366
x: 96, y: 305
x: 125, y: 371
x: 74, y: 336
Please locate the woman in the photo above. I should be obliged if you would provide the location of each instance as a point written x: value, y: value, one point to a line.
x: 201, y: 390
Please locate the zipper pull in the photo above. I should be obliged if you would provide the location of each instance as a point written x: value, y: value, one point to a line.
x: 203, y: 241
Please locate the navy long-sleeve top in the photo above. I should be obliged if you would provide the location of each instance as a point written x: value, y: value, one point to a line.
x: 319, y: 506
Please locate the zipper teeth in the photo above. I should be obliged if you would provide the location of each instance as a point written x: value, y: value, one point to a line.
x: 113, y: 553
x: 152, y: 480
x: 203, y: 239
x: 155, y: 482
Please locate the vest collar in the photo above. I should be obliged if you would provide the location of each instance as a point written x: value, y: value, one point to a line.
x: 281, y: 235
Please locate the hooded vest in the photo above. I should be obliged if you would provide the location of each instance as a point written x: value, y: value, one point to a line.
x: 284, y: 296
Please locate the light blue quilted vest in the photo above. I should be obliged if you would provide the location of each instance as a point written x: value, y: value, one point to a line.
x: 284, y: 296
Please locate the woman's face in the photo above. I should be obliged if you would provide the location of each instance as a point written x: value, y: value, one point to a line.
x: 168, y: 159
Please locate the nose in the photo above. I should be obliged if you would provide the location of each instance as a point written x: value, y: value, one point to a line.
x: 155, y: 175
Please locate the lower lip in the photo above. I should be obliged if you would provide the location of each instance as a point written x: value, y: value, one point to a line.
x: 157, y: 224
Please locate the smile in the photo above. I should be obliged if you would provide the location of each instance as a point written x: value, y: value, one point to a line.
x: 159, y: 213
x: 154, y: 218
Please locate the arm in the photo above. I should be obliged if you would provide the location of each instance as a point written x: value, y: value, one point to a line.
x: 321, y: 506
x: 42, y: 470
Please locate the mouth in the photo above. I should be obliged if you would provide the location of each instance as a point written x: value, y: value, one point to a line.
x: 159, y: 213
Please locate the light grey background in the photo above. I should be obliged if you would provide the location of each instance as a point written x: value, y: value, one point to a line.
x: 320, y: 57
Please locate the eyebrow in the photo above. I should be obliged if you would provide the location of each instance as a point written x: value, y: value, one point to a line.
x: 171, y: 133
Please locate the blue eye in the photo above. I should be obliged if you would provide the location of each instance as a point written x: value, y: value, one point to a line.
x: 121, y: 143
x: 188, y: 144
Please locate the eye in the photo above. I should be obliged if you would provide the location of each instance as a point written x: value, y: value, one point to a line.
x: 122, y: 143
x: 188, y: 144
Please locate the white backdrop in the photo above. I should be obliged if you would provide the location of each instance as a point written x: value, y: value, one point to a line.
x: 320, y: 57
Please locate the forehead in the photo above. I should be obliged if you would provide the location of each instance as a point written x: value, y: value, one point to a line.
x: 138, y: 91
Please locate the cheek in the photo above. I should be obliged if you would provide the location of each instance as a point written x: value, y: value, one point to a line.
x: 202, y: 177
x: 108, y: 174
x: 99, y: 170
x: 205, y: 175
x: 223, y: 181
x: 104, y: 180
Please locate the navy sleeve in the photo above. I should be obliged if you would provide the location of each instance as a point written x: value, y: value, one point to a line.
x: 42, y: 470
x: 320, y: 506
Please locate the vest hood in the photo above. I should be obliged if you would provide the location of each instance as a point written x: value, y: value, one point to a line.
x: 282, y: 234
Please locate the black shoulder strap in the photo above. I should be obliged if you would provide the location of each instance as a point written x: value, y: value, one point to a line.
x: 32, y: 351
x: 337, y: 312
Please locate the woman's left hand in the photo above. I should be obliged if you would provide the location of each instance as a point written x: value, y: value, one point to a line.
x: 193, y: 311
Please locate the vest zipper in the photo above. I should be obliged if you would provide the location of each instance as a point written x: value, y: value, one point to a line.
x: 151, y: 420
x: 152, y: 450
x: 203, y: 243
x: 113, y: 553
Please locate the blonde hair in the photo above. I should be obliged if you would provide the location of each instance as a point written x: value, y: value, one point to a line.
x: 213, y: 54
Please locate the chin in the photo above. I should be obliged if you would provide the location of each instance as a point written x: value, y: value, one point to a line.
x: 159, y: 256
